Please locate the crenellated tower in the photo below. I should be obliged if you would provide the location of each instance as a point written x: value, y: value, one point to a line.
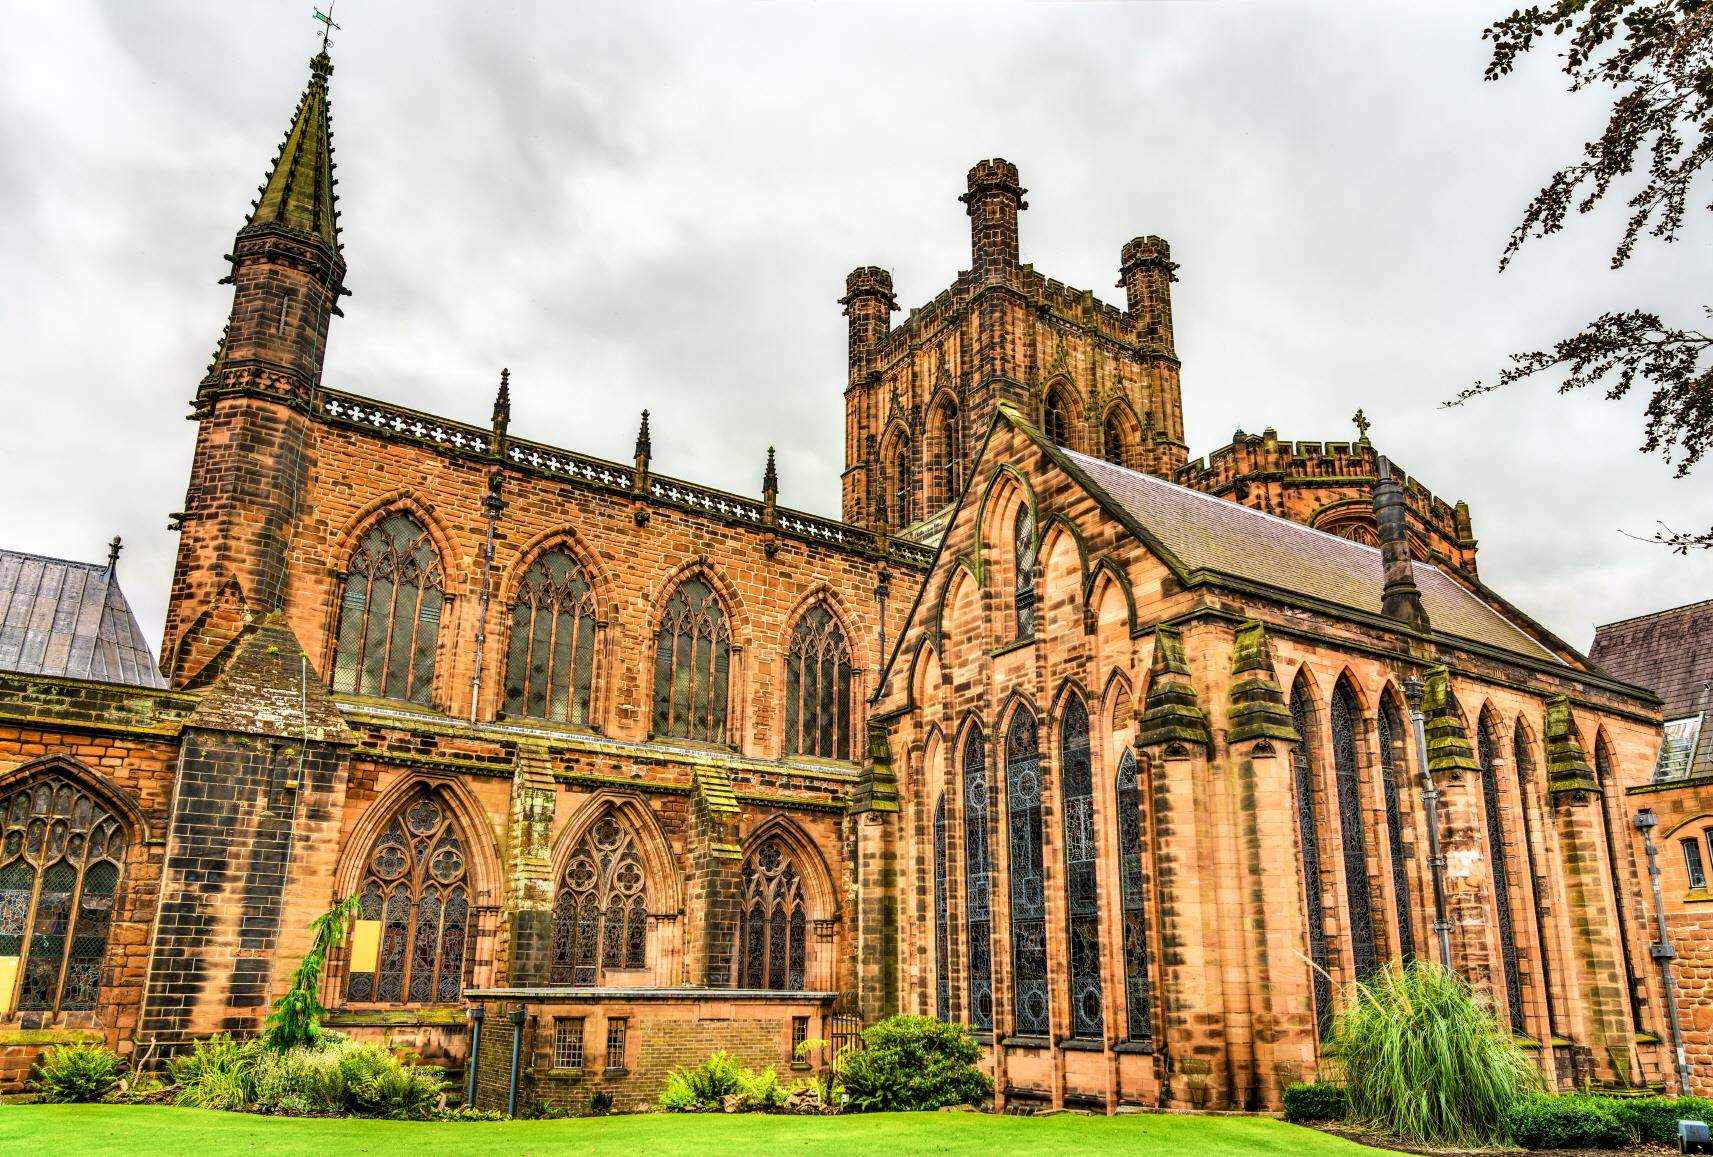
x: 919, y: 397
x: 254, y: 445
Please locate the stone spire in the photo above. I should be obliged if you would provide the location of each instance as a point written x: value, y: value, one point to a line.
x: 298, y: 198
x: 770, y: 479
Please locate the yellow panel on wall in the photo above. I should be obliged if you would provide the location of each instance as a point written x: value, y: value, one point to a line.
x: 366, y: 946
x: 8, y: 982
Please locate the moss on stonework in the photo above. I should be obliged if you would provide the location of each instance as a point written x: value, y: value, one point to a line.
x: 52, y: 1036
x: 395, y: 1018
x: 1447, y: 741
x: 716, y: 792
x: 1566, y: 763
x: 1258, y: 708
x: 1172, y: 712
x: 876, y: 788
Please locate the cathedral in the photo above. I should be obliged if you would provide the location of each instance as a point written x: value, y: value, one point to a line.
x: 1130, y: 762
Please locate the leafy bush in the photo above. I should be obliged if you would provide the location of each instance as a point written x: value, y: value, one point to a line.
x: 1426, y: 1061
x: 218, y: 1073
x: 466, y: 1114
x: 301, y: 1080
x: 704, y: 1087
x: 1655, y: 1118
x: 374, y: 1083
x: 1317, y: 1102
x: 1545, y: 1121
x: 913, y: 1063
x: 762, y: 1091
x: 79, y: 1073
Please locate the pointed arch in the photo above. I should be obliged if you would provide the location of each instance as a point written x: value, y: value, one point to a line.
x: 693, y: 662
x: 822, y: 715
x: 1121, y: 435
x: 898, y: 466
x: 1061, y: 410
x: 480, y: 847
x: 1129, y: 796
x: 1530, y: 799
x: 818, y: 890
x: 995, y: 515
x: 653, y: 845
x: 1304, y: 716
x: 551, y: 639
x: 1026, y: 869
x: 781, y: 875
x: 110, y: 796
x: 976, y: 797
x: 1082, y: 888
x: 63, y: 844
x: 1345, y: 714
x: 944, y: 465
x: 1487, y: 753
x: 605, y: 892
x: 1117, y: 701
x: 392, y: 592
x: 1394, y: 785
x: 925, y: 674
x: 1106, y: 572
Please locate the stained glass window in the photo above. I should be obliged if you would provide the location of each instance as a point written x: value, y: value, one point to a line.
x: 1112, y: 441
x: 1487, y: 749
x: 1082, y: 890
x: 1026, y: 553
x: 1308, y: 836
x: 1133, y: 891
x: 1345, y: 719
x: 692, y: 666
x: 1526, y: 787
x: 945, y: 446
x: 772, y: 926
x: 551, y: 662
x: 600, y: 915
x: 942, y: 933
x: 978, y: 883
x: 818, y: 688
x: 389, y: 613
x: 417, y: 886
x: 60, y: 855
x: 1392, y: 775
x: 1028, y: 896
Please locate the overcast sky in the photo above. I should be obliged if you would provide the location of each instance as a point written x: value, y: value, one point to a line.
x: 655, y: 205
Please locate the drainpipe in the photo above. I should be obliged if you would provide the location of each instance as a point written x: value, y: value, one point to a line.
x: 1663, y: 952
x: 477, y: 1015
x: 518, y: 1017
x: 1414, y: 689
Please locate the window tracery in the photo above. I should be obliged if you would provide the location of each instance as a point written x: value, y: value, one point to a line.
x: 389, y: 613
x: 1081, y: 885
x: 1391, y: 777
x: 1345, y: 719
x: 1133, y: 886
x: 1026, y: 553
x: 416, y: 884
x: 773, y: 923
x: 1028, y: 898
x: 551, y: 662
x: 61, y: 851
x: 978, y: 883
x: 818, y: 688
x: 600, y: 915
x: 1308, y: 837
x: 692, y: 666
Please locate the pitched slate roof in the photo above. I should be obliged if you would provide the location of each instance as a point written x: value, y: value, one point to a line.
x: 70, y: 619
x: 1204, y: 533
x: 1668, y: 652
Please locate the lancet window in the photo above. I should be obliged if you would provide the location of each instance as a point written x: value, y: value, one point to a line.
x: 978, y: 883
x: 551, y: 662
x: 600, y: 916
x: 1602, y: 774
x: 942, y: 933
x: 1112, y: 441
x: 389, y: 613
x: 773, y: 924
x: 818, y: 688
x: 1308, y: 837
x: 1026, y: 552
x: 692, y: 669
x: 1525, y: 789
x: 1347, y: 773
x: 1392, y: 780
x: 1055, y: 422
x: 1028, y: 898
x: 1081, y: 886
x: 945, y: 449
x: 60, y: 856
x: 1487, y: 749
x: 416, y: 887
x: 903, y: 487
x: 1133, y: 891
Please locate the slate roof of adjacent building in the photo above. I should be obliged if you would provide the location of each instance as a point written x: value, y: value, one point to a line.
x: 1671, y: 654
x: 1204, y: 533
x: 70, y: 619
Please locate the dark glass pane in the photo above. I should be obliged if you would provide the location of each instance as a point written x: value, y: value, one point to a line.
x: 1138, y: 995
x: 1082, y: 889
x: 1487, y: 749
x: 1354, y: 841
x: 977, y: 883
x: 452, y: 939
x: 795, y: 961
x: 1025, y: 554
x: 1028, y: 900
x: 1391, y: 776
x: 942, y: 929
x: 17, y: 885
x: 776, y: 946
x: 1308, y: 835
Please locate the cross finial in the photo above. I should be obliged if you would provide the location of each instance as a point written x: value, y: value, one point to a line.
x: 326, y: 19
x: 1362, y: 424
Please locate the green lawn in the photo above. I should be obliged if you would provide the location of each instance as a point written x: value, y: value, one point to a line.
x: 68, y: 1130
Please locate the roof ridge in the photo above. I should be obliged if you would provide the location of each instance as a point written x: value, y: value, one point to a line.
x: 1659, y: 614
x: 100, y: 566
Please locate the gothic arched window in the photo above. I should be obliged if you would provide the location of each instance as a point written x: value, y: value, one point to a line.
x: 1028, y: 900
x: 60, y: 855
x: 818, y: 688
x: 1308, y: 836
x: 692, y: 667
x: 1487, y: 750
x: 389, y: 613
x: 772, y: 925
x: 1055, y: 421
x: 1392, y: 780
x: 1133, y: 888
x: 551, y: 662
x: 903, y: 486
x: 978, y: 883
x: 942, y: 933
x: 600, y: 916
x: 416, y: 884
x: 1082, y: 890
x: 944, y: 445
x: 1524, y: 764
x: 1026, y: 553
x: 1112, y: 441
x: 1345, y: 719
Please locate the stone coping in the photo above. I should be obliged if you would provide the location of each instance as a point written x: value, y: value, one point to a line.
x: 633, y: 995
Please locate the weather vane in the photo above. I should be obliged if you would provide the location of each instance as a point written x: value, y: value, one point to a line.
x: 327, y: 19
x: 1362, y: 423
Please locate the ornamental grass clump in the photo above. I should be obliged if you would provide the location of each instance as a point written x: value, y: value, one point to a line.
x: 1426, y: 1061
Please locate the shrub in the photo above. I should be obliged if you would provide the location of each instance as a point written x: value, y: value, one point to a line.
x: 218, y: 1073
x: 1317, y: 1102
x: 1545, y: 1121
x: 911, y: 1063
x: 763, y: 1091
x: 467, y: 1114
x: 705, y: 1086
x: 372, y: 1082
x: 301, y: 1080
x: 1655, y: 1118
x: 1425, y: 1060
x: 69, y: 1074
